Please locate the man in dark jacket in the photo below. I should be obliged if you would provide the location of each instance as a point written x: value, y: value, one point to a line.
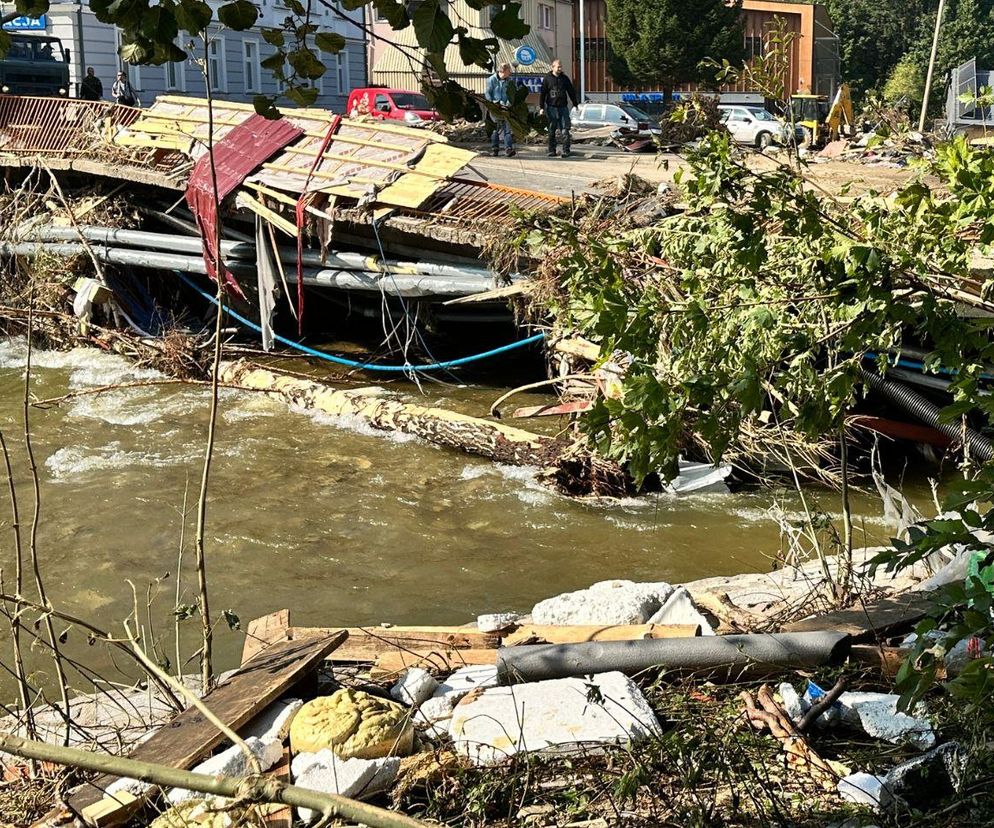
x: 556, y: 100
x: 91, y: 89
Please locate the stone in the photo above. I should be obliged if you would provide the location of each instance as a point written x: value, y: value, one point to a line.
x: 866, y: 789
x: 931, y: 776
x: 606, y: 602
x: 415, y: 687
x: 878, y: 716
x: 231, y: 762
x: 793, y: 704
x: 465, y: 679
x: 353, y: 724
x: 680, y: 608
x: 273, y: 724
x: 355, y: 778
x: 496, y: 621
x: 557, y: 715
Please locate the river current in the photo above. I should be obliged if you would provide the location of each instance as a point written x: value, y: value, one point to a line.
x: 338, y: 523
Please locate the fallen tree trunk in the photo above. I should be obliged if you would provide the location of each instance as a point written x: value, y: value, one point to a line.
x: 567, y: 465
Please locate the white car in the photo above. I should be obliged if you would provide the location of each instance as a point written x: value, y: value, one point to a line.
x: 753, y: 125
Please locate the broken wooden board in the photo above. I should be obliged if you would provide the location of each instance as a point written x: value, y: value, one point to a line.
x: 367, y: 643
x: 190, y: 738
x: 261, y: 632
x: 281, y: 816
x: 874, y: 619
x: 887, y: 659
x: 390, y: 665
x: 576, y: 634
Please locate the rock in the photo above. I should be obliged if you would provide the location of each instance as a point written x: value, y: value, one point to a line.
x: 931, y: 776
x: 607, y: 602
x: 496, y: 621
x: 866, y: 789
x: 415, y: 687
x: 231, y: 762
x: 355, y: 778
x: 793, y: 704
x: 680, y: 608
x: 353, y: 724
x: 557, y: 715
x: 468, y: 678
x: 435, y: 714
x: 878, y: 716
x: 273, y: 724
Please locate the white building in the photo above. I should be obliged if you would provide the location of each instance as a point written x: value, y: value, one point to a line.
x: 236, y: 57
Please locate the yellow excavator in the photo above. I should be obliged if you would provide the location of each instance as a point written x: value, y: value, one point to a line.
x: 820, y: 122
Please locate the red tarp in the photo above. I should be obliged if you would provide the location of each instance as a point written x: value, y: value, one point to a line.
x: 236, y: 156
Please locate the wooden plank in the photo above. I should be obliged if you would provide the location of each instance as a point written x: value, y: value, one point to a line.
x: 887, y: 659
x: 261, y: 632
x: 282, y: 815
x: 189, y: 738
x: 539, y: 633
x: 872, y: 620
x: 366, y: 643
x: 392, y: 664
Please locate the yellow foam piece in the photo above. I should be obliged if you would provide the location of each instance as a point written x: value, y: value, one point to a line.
x: 353, y: 724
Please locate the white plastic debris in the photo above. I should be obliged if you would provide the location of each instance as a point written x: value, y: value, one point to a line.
x: 415, y: 687
x: 793, y: 704
x: 866, y: 789
x: 679, y: 608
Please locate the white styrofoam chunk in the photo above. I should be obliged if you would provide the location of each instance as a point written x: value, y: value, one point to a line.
x: 466, y: 679
x: 232, y: 762
x: 495, y: 621
x: 354, y: 778
x: 274, y: 722
x: 415, y: 687
x: 606, y: 602
x: 865, y: 789
x: 680, y: 608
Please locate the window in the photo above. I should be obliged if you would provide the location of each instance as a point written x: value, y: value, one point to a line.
x: 176, y: 73
x: 250, y: 66
x: 215, y: 64
x: 754, y: 47
x: 338, y: 71
x: 546, y: 16
x: 381, y: 104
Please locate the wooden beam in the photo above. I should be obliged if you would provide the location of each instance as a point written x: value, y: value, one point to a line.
x: 367, y: 643
x: 576, y: 634
x: 271, y: 216
x: 874, y: 619
x: 390, y: 665
x: 261, y: 632
x: 189, y: 738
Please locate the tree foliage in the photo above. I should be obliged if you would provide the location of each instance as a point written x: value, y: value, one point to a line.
x: 663, y: 42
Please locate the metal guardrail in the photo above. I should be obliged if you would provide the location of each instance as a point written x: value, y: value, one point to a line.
x: 59, y: 126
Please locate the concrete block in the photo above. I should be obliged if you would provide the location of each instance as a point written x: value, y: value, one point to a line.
x: 679, y: 608
x: 496, y: 621
x: 929, y: 777
x: 231, y: 762
x: 465, y: 679
x: 558, y: 715
x: 866, y: 789
x: 355, y: 778
x: 273, y: 724
x: 606, y: 602
x: 415, y: 687
x: 880, y: 718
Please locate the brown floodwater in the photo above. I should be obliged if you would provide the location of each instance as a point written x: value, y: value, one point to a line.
x: 338, y: 523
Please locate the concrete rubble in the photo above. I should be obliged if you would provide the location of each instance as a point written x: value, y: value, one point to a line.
x: 606, y: 602
x: 496, y: 621
x: 355, y: 778
x: 232, y: 762
x: 557, y: 715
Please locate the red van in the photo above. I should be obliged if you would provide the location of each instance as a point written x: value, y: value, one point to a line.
x: 393, y: 104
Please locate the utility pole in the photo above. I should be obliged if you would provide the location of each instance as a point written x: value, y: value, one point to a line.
x: 583, y: 53
x: 931, y: 64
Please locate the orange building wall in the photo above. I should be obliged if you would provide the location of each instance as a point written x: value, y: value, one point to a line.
x: 757, y: 17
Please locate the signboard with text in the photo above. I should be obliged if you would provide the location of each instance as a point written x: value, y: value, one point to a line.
x: 533, y: 83
x: 26, y: 24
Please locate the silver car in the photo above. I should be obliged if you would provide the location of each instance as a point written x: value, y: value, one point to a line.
x: 623, y: 117
x: 753, y: 125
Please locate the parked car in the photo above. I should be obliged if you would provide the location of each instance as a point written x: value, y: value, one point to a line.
x: 391, y: 104
x: 623, y: 117
x: 753, y: 125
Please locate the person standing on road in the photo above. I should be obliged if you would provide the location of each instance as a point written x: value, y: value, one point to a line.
x: 123, y: 92
x: 557, y: 98
x: 499, y: 89
x: 91, y: 89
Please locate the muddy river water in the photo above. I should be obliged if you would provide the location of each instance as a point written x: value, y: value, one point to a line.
x: 340, y: 524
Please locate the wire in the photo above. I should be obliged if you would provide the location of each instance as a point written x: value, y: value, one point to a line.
x: 366, y: 366
x: 917, y: 365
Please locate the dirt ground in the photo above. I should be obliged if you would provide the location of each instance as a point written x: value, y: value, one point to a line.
x: 532, y: 169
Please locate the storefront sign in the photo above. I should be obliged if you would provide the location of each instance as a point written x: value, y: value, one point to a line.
x: 26, y: 24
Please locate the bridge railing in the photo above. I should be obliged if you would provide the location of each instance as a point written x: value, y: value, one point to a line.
x: 59, y: 126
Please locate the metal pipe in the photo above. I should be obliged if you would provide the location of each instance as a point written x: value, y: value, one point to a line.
x: 111, y: 255
x: 931, y: 64
x: 728, y: 654
x: 929, y: 413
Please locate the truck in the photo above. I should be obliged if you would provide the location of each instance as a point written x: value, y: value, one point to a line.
x: 35, y: 65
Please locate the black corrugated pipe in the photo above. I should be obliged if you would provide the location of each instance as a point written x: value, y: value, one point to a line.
x: 923, y: 409
x: 728, y: 655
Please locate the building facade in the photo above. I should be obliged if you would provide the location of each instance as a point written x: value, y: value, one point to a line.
x: 396, y: 60
x: 813, y: 63
x: 235, y: 57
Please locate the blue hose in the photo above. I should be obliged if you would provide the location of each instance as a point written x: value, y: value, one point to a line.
x: 366, y: 366
x: 915, y: 365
